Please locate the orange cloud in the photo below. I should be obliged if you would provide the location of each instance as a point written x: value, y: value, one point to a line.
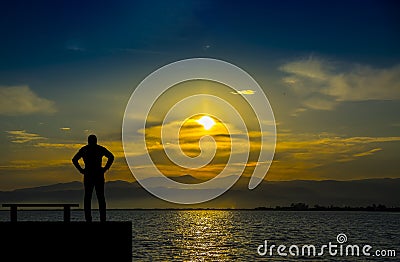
x: 21, y: 136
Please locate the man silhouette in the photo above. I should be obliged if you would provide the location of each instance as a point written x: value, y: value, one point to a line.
x: 93, y: 174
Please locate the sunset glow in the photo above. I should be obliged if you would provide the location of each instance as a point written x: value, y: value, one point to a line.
x: 335, y: 94
x: 207, y: 122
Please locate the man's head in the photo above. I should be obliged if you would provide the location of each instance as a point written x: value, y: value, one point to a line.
x: 92, y: 140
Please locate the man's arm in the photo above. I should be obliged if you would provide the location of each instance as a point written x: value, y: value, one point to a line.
x: 75, y: 161
x: 110, y: 159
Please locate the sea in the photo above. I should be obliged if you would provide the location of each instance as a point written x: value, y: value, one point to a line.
x: 250, y: 235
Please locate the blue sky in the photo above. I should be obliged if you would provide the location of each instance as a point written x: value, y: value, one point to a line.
x: 45, y: 33
x: 329, y: 68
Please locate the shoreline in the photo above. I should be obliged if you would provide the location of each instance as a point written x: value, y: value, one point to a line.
x: 396, y: 209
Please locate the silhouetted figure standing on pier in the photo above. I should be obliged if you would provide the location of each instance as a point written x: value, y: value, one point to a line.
x: 93, y: 172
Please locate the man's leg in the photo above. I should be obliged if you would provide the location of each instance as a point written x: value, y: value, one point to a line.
x: 87, y: 204
x: 101, y: 199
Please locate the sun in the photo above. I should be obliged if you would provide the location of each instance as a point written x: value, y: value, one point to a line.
x: 207, y: 122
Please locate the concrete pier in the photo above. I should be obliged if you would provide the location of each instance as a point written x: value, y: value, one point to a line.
x: 66, y: 241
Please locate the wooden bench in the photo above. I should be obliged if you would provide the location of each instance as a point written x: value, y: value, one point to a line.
x: 13, y: 209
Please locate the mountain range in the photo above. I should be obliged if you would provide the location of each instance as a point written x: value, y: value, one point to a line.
x: 123, y: 194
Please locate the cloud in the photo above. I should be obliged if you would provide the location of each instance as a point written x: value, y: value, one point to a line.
x: 59, y: 145
x: 21, y: 100
x: 367, y: 153
x: 328, y: 148
x: 136, y: 51
x: 367, y: 139
x: 319, y: 103
x: 21, y: 136
x: 297, y: 111
x: 328, y: 155
x: 189, y: 137
x: 76, y: 48
x: 35, y: 164
x: 322, y: 85
x: 244, y: 92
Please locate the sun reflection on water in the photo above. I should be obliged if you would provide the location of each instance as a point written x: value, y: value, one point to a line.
x: 204, y: 234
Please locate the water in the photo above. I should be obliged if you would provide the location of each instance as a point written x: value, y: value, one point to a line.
x: 218, y: 235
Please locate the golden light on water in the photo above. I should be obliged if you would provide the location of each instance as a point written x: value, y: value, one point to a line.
x: 203, y: 235
x: 207, y: 122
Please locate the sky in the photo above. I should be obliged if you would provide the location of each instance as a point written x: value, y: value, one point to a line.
x: 330, y: 70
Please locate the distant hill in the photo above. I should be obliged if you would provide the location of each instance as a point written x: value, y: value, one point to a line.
x: 122, y: 194
x: 187, y: 179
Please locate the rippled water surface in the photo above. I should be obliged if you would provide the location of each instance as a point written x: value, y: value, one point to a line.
x: 217, y: 235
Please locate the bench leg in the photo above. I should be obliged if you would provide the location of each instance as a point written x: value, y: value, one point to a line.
x: 67, y: 213
x: 13, y: 213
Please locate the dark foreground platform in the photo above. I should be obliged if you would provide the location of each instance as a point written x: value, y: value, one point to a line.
x: 66, y: 241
